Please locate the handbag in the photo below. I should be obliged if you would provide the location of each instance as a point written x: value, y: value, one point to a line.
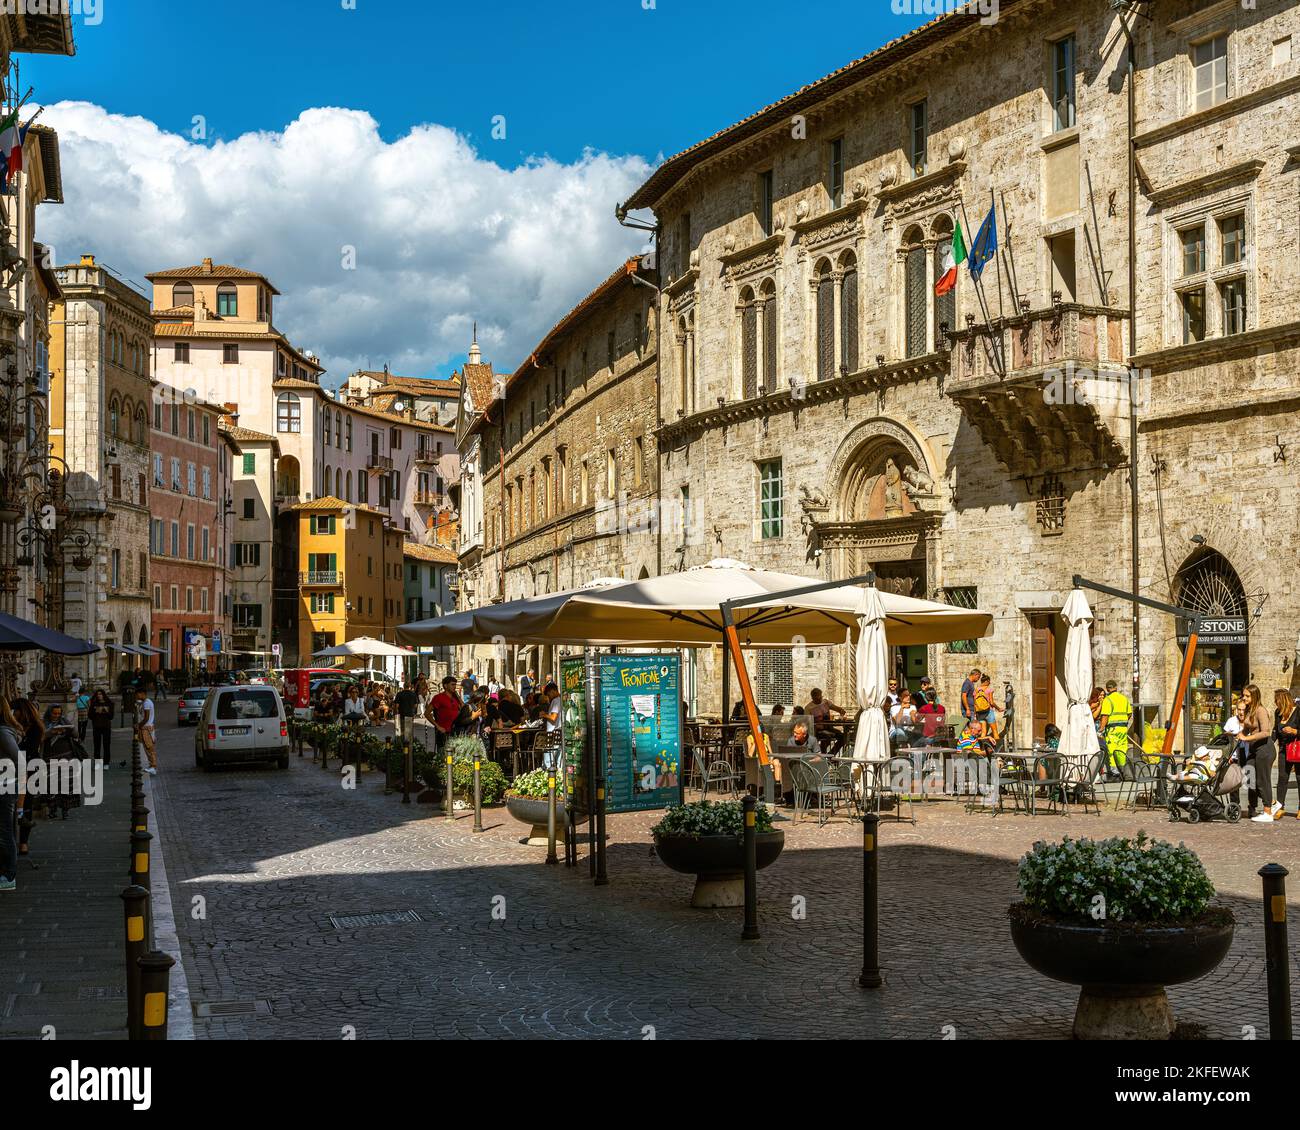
x: 1293, y: 751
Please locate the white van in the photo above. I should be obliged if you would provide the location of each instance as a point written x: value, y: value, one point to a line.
x: 244, y: 723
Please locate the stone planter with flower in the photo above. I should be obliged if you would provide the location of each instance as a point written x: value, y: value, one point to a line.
x: 526, y: 801
x: 1122, y: 918
x: 706, y: 839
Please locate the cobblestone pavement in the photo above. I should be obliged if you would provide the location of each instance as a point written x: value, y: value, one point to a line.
x: 62, y: 950
x: 273, y: 855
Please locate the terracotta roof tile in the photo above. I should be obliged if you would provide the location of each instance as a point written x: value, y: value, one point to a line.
x: 436, y: 553
x: 247, y: 435
x: 185, y: 313
x: 209, y: 270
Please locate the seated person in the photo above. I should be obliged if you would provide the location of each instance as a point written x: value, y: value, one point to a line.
x: 820, y: 710
x: 1052, y: 736
x: 974, y: 740
x: 778, y: 711
x: 930, y: 716
x: 511, y: 710
x: 903, y: 725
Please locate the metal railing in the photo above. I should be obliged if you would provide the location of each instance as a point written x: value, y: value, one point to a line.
x: 332, y: 577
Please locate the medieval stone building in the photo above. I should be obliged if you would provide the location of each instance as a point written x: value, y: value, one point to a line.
x: 826, y: 412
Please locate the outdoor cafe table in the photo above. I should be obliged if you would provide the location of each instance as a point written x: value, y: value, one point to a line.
x: 1027, y: 780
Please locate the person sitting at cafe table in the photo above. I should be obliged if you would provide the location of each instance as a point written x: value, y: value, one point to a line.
x: 511, y: 709
x: 930, y: 716
x: 820, y: 710
x: 903, y: 726
x: 974, y: 740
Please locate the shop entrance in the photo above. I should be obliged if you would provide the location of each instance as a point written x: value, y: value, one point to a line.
x: 1208, y: 584
x: 1042, y: 626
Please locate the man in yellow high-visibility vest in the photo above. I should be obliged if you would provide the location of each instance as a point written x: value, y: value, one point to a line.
x: 1116, y: 714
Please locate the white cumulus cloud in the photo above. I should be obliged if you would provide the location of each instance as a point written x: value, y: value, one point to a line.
x: 443, y: 236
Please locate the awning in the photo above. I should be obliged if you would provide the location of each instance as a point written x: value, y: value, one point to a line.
x: 126, y: 648
x: 149, y: 649
x: 17, y: 634
x: 682, y: 609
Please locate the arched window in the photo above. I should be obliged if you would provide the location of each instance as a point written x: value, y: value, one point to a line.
x: 286, y: 476
x: 347, y: 487
x: 182, y: 295
x: 338, y: 430
x: 849, y: 312
x: 328, y: 482
x: 227, y: 301
x: 114, y: 417
x: 349, y: 437
x: 945, y: 305
x: 338, y: 482
x: 825, y: 282
x: 767, y: 309
x: 914, y: 293
x: 748, y: 344
x: 141, y: 426
x: 686, y: 360
x: 288, y: 413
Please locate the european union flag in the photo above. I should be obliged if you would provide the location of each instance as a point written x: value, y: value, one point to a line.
x: 985, y: 245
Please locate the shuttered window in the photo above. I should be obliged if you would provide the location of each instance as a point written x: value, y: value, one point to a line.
x: 769, y: 343
x: 945, y: 305
x: 849, y: 321
x: 749, y: 350
x: 916, y: 302
x: 825, y: 327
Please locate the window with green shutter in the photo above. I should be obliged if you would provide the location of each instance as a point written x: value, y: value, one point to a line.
x: 250, y: 463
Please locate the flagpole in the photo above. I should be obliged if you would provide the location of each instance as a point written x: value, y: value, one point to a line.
x: 1002, y: 315
x: 1011, y: 258
x: 994, y: 357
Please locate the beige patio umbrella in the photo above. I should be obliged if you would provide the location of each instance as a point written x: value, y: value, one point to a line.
x: 362, y: 645
x: 1079, y: 739
x: 683, y: 609
x: 872, y: 685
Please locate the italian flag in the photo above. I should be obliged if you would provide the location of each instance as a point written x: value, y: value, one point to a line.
x: 953, y: 258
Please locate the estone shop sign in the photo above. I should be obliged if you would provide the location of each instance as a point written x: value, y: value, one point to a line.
x: 1218, y: 629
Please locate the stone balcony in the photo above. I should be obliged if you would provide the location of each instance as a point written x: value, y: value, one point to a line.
x: 1047, y: 389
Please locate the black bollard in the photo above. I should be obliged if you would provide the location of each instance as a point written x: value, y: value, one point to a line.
x: 451, y: 815
x: 478, y: 797
x: 140, y: 858
x: 139, y: 819
x: 135, y: 903
x: 1277, y: 959
x: 870, y: 977
x: 155, y: 970
x: 551, y: 857
x: 602, y: 876
x: 748, y: 807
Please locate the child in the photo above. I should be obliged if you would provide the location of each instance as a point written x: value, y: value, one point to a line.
x: 1052, y: 736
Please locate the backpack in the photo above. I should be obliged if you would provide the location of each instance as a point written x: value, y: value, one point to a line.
x: 982, y: 702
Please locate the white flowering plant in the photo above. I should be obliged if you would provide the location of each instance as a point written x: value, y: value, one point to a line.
x: 1140, y: 880
x: 710, y: 818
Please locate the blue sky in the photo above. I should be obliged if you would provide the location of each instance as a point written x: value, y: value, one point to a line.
x: 572, y: 78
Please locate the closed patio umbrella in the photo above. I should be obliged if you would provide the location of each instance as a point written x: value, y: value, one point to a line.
x: 872, y: 685
x: 1079, y: 738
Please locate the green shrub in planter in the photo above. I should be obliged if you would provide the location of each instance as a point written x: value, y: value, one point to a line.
x: 463, y: 749
x: 1142, y: 880
x: 710, y: 818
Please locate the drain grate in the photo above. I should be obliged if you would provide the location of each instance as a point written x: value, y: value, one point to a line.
x: 220, y: 1010
x: 101, y: 993
x: 384, y: 918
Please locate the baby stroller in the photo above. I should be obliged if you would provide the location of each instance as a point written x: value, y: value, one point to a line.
x: 1211, y: 799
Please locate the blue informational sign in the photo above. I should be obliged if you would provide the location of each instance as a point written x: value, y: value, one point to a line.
x: 216, y: 640
x: 640, y: 730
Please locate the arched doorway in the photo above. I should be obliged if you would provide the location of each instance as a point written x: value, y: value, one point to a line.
x: 1207, y: 583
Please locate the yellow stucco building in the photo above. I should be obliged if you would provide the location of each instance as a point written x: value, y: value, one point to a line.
x: 349, y: 573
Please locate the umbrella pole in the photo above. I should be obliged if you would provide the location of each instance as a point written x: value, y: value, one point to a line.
x: 1183, y: 679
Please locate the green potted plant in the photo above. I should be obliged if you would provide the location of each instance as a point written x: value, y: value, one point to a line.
x: 1122, y: 918
x: 706, y: 839
x: 526, y: 801
x: 462, y: 749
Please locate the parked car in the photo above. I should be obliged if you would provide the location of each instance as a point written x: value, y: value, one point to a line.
x: 190, y: 704
x: 241, y: 724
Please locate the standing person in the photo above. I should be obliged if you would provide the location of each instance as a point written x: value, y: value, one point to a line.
x: 162, y: 686
x: 494, y: 687
x: 468, y: 685
x: 1116, y: 714
x: 1257, y: 736
x: 446, y: 710
x: 100, y: 715
x: 552, y: 712
x: 28, y: 723
x: 407, y: 705
x: 144, y: 728
x: 526, y: 684
x: 986, y: 708
x: 968, y: 694
x: 1288, y: 743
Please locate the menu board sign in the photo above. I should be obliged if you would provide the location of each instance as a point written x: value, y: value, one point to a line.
x: 573, y: 716
x: 640, y: 724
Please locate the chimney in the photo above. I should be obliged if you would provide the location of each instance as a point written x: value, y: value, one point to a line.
x: 207, y: 266
x: 87, y: 260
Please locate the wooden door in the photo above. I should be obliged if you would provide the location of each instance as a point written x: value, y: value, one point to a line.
x: 1043, y: 711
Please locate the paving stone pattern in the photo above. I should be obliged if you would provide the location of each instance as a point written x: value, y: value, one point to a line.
x: 275, y: 854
